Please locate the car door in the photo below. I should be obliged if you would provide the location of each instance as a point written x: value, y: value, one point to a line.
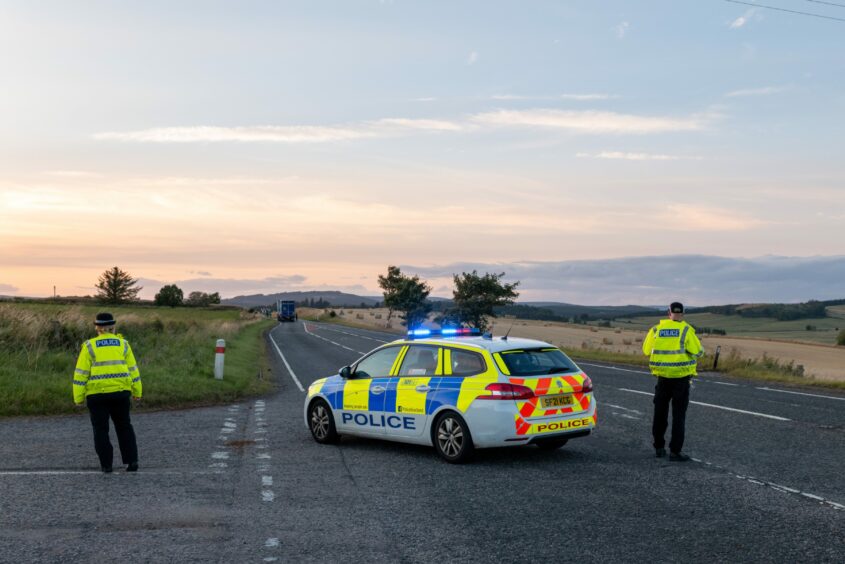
x: 407, y: 405
x: 364, y: 392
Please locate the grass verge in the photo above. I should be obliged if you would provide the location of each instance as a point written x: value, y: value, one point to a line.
x: 39, y: 345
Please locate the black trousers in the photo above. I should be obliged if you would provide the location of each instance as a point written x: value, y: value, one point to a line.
x: 676, y: 391
x: 115, y: 406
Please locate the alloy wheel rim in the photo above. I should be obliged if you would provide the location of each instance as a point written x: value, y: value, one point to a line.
x: 320, y: 422
x: 450, y: 437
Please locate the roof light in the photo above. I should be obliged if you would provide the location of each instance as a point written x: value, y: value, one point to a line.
x: 445, y: 332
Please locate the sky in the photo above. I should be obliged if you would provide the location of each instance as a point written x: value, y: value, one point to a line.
x: 600, y: 152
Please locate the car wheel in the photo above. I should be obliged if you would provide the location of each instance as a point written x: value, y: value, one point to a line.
x: 551, y: 445
x: 452, y: 440
x: 321, y: 422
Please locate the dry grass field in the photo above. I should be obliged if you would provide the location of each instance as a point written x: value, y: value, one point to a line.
x: 823, y: 362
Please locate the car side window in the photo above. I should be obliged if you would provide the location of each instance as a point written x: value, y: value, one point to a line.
x: 466, y: 363
x: 378, y: 364
x: 420, y: 360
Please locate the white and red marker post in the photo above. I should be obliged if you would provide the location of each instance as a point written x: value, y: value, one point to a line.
x: 219, y: 355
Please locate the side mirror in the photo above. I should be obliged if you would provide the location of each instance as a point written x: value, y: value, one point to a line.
x: 345, y: 372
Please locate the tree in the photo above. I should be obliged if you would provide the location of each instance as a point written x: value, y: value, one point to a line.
x: 116, y: 286
x: 170, y: 295
x: 407, y: 295
x: 840, y: 339
x: 475, y: 297
x: 201, y: 299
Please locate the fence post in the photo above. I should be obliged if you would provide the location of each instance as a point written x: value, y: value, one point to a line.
x: 716, y: 356
x: 220, y: 353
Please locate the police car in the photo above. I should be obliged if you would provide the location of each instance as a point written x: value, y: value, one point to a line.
x: 456, y: 390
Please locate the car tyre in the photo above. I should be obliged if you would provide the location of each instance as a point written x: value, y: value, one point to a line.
x: 321, y: 422
x: 551, y: 445
x: 452, y: 439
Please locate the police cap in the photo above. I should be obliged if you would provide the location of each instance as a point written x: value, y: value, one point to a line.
x: 104, y: 319
x: 676, y: 307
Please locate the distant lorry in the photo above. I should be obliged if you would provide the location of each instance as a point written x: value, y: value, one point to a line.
x: 287, y: 310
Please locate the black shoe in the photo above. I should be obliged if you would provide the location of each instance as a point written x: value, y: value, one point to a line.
x: 659, y: 452
x: 106, y: 469
x: 678, y: 457
x: 133, y: 467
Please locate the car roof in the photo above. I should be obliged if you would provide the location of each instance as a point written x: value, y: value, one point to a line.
x: 496, y: 344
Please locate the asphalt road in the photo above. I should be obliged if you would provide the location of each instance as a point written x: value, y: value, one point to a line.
x: 246, y: 483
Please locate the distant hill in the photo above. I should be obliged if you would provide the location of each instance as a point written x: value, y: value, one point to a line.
x: 331, y: 297
x: 592, y: 312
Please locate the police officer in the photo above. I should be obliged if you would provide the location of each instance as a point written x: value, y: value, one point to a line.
x: 673, y: 350
x: 106, y: 376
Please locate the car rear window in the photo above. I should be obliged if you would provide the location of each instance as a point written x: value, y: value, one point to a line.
x: 536, y: 362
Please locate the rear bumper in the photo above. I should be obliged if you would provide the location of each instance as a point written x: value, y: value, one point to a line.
x: 494, y: 424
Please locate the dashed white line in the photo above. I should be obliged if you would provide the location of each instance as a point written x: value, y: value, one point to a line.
x: 264, y: 456
x: 353, y: 334
x: 266, y: 480
x: 721, y: 383
x: 802, y: 394
x: 271, y: 543
x: 267, y: 495
x: 613, y: 368
x: 622, y: 408
x: 754, y: 413
x: 305, y: 325
x: 220, y: 455
x: 287, y: 365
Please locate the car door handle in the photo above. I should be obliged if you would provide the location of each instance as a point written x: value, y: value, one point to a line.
x: 423, y: 388
x: 377, y: 390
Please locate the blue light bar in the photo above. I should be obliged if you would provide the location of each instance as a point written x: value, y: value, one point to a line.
x: 445, y: 332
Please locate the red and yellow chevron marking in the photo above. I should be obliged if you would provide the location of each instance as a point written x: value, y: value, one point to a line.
x: 552, y: 385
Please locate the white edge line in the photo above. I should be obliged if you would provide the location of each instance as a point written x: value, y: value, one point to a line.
x: 775, y: 417
x: 801, y: 394
x: 290, y: 370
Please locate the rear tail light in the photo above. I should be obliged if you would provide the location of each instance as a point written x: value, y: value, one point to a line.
x: 586, y: 385
x: 507, y: 392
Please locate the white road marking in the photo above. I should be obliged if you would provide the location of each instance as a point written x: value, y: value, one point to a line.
x: 802, y: 394
x: 305, y: 325
x: 613, y: 368
x: 220, y: 455
x: 218, y: 465
x: 270, y: 559
x: 756, y: 414
x: 267, y: 495
x: 272, y: 543
x: 230, y: 425
x: 264, y: 456
x: 353, y: 334
x: 721, y: 383
x: 266, y: 480
x: 811, y: 496
x: 287, y: 365
x: 622, y: 408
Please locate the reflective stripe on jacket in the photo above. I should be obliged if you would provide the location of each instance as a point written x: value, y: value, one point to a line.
x: 673, y: 349
x: 105, y: 364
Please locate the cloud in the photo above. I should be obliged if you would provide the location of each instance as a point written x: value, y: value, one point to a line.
x: 590, y: 121
x: 617, y: 155
x: 267, y: 133
x: 755, y: 91
x: 81, y: 174
x: 472, y: 58
x: 575, y: 97
x: 281, y: 134
x: 688, y: 217
x: 8, y: 288
x: 743, y: 19
x: 622, y: 30
x: 658, y: 280
x: 200, y: 272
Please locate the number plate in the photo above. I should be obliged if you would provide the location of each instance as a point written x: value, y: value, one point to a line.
x: 556, y: 401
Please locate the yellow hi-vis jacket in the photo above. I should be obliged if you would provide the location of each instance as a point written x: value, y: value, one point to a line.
x: 106, y: 364
x: 673, y: 349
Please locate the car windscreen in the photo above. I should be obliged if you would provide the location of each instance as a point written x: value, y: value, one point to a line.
x: 537, y: 362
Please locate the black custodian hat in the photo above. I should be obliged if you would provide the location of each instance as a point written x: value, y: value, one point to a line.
x: 104, y: 319
x: 676, y: 307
